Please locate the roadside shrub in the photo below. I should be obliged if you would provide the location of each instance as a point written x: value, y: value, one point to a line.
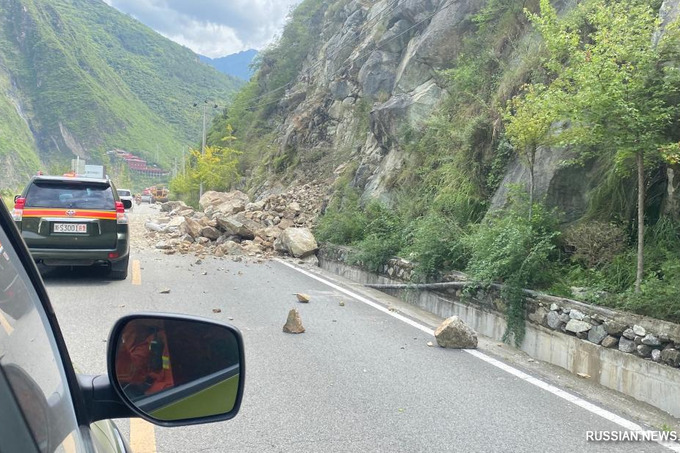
x: 435, y: 245
x: 510, y: 247
x: 595, y: 243
x: 513, y: 249
x: 343, y: 223
x: 383, y: 237
x: 619, y: 275
x: 660, y: 294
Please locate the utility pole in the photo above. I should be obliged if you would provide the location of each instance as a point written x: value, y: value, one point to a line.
x: 200, y: 190
x: 205, y: 107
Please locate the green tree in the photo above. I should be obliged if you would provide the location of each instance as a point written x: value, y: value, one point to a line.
x: 216, y: 167
x: 530, y: 118
x: 606, y: 81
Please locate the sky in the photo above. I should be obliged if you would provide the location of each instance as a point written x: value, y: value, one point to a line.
x: 214, y: 28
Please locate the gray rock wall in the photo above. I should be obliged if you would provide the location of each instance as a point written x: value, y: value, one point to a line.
x: 385, y: 55
x: 378, y: 71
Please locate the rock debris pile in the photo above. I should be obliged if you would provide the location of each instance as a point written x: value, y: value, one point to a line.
x: 229, y: 224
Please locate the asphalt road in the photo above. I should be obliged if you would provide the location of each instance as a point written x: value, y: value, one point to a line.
x: 358, y: 379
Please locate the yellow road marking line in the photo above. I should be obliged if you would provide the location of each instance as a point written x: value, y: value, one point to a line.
x: 142, y: 436
x: 6, y: 325
x: 136, y: 272
x: 69, y: 444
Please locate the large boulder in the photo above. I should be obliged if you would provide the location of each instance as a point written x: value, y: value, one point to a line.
x: 298, y: 242
x: 175, y: 223
x: 226, y: 203
x: 211, y: 233
x: 169, y: 206
x: 191, y: 227
x: 237, y: 225
x: 455, y: 334
x: 228, y: 248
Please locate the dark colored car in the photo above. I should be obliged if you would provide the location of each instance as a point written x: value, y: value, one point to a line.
x: 68, y: 221
x: 171, y: 370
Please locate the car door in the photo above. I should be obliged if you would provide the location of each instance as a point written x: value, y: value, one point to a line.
x: 38, y: 407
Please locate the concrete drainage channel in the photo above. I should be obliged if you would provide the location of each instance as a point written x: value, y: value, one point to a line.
x: 643, y: 379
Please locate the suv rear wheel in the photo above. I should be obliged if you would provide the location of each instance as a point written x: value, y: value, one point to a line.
x: 119, y: 270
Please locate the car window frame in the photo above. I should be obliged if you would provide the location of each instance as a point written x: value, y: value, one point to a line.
x: 22, y: 253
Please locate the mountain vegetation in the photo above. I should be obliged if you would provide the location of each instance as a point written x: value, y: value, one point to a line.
x: 81, y: 78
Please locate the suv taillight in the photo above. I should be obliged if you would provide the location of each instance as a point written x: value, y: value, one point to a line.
x: 121, y: 216
x: 18, y: 212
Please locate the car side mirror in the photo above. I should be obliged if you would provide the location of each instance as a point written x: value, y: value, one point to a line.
x: 16, y: 197
x: 177, y: 370
x: 127, y: 204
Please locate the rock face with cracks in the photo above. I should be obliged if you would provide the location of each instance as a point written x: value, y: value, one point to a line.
x: 454, y: 334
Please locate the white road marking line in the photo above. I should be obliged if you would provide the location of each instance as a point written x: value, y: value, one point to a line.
x: 607, y: 415
x: 361, y: 298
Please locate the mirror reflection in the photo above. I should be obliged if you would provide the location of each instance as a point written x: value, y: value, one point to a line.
x: 178, y: 369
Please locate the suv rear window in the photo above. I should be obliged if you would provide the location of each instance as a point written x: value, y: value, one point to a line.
x: 48, y: 194
x: 123, y: 193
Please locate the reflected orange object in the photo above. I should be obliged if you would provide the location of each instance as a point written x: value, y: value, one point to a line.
x: 135, y: 361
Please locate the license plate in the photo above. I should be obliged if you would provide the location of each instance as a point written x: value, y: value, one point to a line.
x: 70, y: 228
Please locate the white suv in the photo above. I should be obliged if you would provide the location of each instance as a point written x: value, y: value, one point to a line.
x: 126, y: 194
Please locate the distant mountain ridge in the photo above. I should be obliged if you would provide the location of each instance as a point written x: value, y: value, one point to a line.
x: 237, y: 65
x: 79, y: 78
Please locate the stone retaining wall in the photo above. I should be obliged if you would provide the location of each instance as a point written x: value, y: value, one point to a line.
x: 633, y: 354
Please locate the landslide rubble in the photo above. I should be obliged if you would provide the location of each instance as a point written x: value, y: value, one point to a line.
x: 229, y: 224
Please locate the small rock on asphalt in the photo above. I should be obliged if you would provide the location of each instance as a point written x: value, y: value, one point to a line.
x: 294, y: 322
x: 304, y: 298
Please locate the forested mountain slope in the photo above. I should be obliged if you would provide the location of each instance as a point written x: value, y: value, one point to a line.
x: 80, y: 78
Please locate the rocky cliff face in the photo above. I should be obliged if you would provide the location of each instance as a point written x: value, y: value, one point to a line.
x: 379, y: 69
x: 375, y: 78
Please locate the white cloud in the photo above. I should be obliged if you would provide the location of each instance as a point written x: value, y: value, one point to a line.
x: 213, y: 28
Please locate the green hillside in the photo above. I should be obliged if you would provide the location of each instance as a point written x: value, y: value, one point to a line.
x: 80, y: 77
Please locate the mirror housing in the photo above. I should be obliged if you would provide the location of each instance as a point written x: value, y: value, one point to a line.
x: 175, y: 370
x: 127, y: 204
x: 16, y: 197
